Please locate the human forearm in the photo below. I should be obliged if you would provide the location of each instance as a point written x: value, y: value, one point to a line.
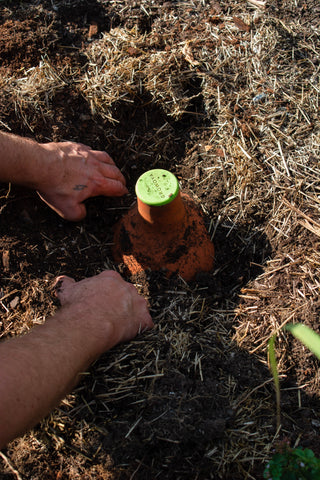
x: 40, y: 368
x: 19, y: 160
x: 65, y: 174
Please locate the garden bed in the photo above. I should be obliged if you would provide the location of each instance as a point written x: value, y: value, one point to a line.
x: 225, y: 95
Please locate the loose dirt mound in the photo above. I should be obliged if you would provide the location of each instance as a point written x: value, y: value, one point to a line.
x: 226, y: 96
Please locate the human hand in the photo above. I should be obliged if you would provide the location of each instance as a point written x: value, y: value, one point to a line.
x: 109, y: 308
x: 75, y: 172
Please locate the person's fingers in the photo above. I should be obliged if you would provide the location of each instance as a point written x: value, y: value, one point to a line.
x: 109, y: 187
x: 102, y: 157
x: 73, y: 212
x: 61, y: 285
x: 148, y: 323
x: 62, y: 281
x: 111, y: 171
x: 146, y: 315
x: 110, y: 274
x: 67, y: 209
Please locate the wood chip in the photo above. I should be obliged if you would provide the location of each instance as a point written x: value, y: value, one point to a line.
x: 188, y: 55
x: 244, y: 27
x: 6, y: 260
x: 93, y: 30
x: 14, y: 302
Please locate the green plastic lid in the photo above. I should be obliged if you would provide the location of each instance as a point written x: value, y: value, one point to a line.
x: 157, y: 187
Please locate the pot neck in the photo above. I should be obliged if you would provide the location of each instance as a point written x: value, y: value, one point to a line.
x: 170, y: 215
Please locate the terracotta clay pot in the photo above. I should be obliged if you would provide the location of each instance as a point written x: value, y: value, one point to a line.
x: 164, y: 230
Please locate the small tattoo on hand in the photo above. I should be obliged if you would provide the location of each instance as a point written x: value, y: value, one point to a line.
x: 79, y: 187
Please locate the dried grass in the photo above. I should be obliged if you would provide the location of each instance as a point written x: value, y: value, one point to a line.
x: 260, y: 141
x: 32, y: 94
x: 123, y: 64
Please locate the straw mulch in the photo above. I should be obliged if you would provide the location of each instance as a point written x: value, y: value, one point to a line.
x: 226, y: 96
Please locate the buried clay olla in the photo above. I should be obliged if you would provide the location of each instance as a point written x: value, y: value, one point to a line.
x: 164, y: 230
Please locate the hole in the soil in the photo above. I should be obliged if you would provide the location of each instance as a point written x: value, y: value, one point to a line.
x: 240, y: 256
x: 144, y: 138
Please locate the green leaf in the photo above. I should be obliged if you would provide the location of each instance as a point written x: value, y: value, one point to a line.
x: 307, y: 336
x: 305, y: 454
x: 274, y: 370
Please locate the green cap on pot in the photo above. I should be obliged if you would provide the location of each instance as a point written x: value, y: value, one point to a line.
x: 157, y: 187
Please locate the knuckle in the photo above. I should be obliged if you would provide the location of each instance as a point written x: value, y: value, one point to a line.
x: 110, y: 273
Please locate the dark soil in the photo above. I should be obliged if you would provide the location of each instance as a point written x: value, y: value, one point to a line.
x: 160, y: 405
